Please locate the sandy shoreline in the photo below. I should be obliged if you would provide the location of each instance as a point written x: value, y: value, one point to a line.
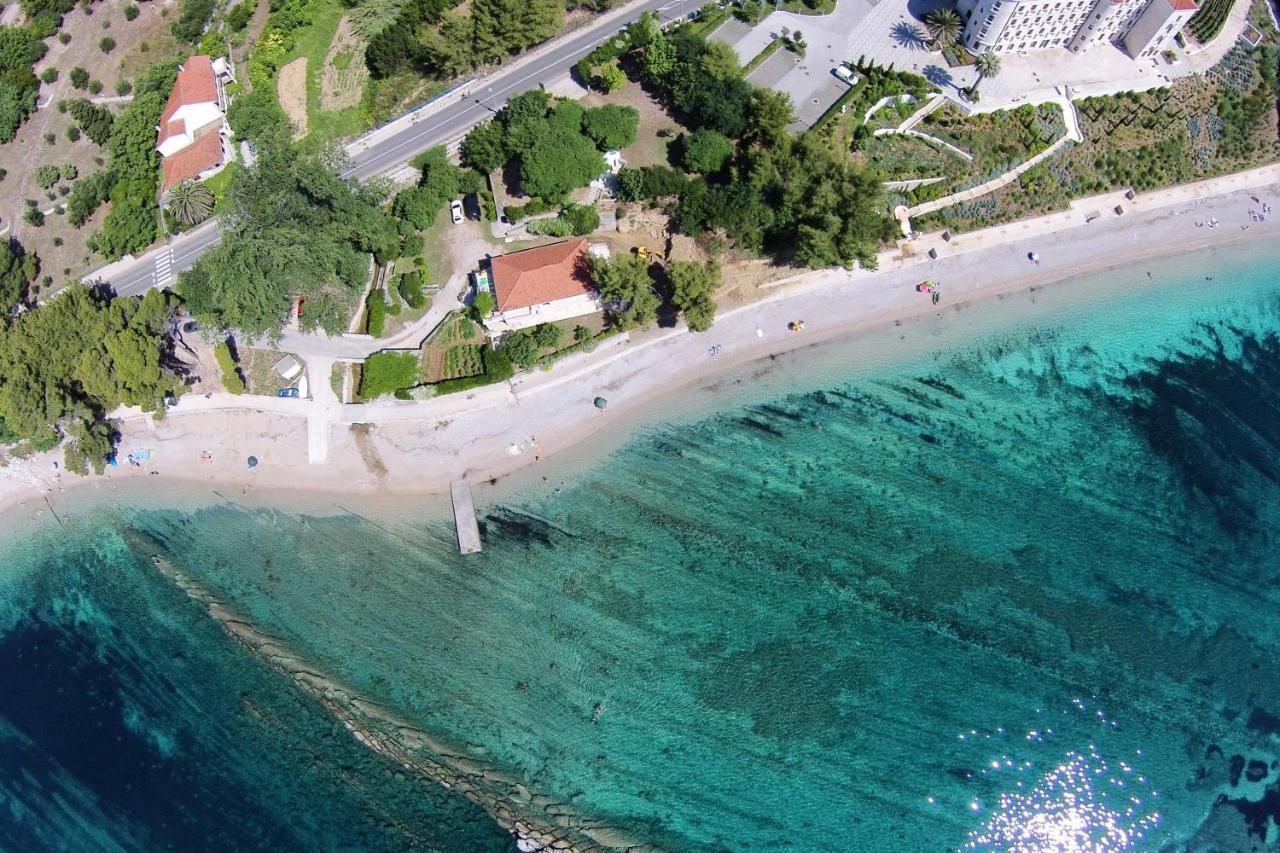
x: 415, y: 449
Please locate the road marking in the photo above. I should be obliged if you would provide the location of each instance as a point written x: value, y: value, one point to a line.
x: 163, y: 273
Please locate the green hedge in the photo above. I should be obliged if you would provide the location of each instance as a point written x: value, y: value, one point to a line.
x: 388, y: 372
x: 375, y: 313
x: 231, y: 378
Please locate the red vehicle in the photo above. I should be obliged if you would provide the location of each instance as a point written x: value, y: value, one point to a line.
x: 926, y: 286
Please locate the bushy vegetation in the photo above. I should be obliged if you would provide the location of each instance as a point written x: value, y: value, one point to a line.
x: 20, y: 48
x: 441, y: 181
x: 192, y: 18
x: 387, y: 373
x: 88, y: 195
x: 574, y: 220
x: 295, y: 230
x: 1200, y: 127
x: 44, y: 17
x: 258, y: 115
x: 1208, y: 21
x: 410, y: 289
x: 431, y: 38
x: 548, y: 139
x: 131, y: 225
x: 18, y: 271
x: 231, y: 378
x: 67, y: 364
x: 94, y: 121
x: 375, y: 307
x: 525, y: 346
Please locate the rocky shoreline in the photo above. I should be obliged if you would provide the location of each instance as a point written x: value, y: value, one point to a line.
x: 537, y: 821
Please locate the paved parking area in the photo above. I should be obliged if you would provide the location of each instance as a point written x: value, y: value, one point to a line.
x: 808, y: 80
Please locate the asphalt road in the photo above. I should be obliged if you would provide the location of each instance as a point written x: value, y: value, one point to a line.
x: 159, y: 266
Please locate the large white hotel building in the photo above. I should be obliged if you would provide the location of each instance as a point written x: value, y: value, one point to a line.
x: 1143, y: 27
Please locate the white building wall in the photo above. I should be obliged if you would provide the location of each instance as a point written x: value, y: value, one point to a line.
x: 1155, y: 28
x: 1006, y: 26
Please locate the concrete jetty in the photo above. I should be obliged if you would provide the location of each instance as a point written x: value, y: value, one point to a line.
x: 464, y: 517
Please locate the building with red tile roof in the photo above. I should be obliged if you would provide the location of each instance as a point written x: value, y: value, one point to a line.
x: 545, y: 274
x: 193, y: 137
x: 541, y: 285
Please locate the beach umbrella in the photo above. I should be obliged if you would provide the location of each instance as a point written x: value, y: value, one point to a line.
x: 601, y: 403
x: 253, y: 462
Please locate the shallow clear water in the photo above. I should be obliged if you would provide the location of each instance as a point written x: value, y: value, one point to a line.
x: 1007, y: 594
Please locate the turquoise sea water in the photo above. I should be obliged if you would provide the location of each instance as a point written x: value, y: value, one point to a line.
x: 1015, y: 593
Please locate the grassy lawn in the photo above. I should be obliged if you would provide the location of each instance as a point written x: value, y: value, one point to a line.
x: 219, y: 185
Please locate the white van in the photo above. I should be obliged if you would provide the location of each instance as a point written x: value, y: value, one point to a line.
x: 843, y: 72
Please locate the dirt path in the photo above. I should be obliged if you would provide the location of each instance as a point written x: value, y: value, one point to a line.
x: 291, y: 87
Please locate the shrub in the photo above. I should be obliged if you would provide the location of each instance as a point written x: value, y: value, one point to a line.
x: 69, y: 172
x: 95, y: 87
x: 64, y: 37
x: 484, y: 303
x: 375, y: 313
x: 79, y: 77
x: 611, y: 126
x: 96, y: 122
x: 48, y: 175
x: 190, y: 24
x: 231, y: 378
x: 106, y: 44
x: 410, y: 289
x: 238, y: 18
x: 51, y: 137
x: 49, y: 75
x: 33, y: 215
x: 123, y: 87
x: 131, y: 12
x: 387, y: 373
x: 705, y: 151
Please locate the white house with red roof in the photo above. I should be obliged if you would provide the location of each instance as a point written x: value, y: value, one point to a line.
x: 193, y: 137
x: 541, y: 285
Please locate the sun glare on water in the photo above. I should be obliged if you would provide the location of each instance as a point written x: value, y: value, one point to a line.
x: 1084, y: 804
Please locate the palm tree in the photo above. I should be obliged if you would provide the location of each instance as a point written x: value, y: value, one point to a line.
x: 190, y: 203
x: 988, y: 65
x: 944, y: 26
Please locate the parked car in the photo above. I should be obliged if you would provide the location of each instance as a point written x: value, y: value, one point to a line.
x: 843, y: 72
x: 287, y: 392
x: 471, y: 204
x: 455, y: 210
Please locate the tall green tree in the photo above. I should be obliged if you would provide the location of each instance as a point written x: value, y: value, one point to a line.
x: 67, y: 364
x: 611, y: 127
x: 295, y: 230
x: 557, y: 164
x: 693, y: 290
x: 18, y: 269
x: 627, y: 290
